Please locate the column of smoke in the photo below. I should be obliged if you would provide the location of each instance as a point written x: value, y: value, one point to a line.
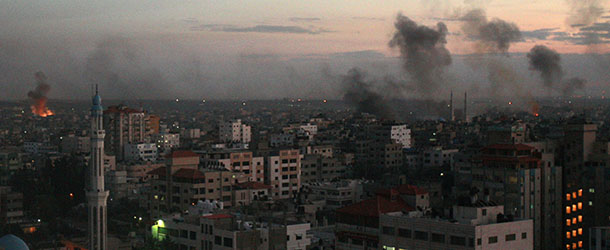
x: 38, y: 96
x: 359, y: 93
x: 547, y: 62
x: 423, y: 53
x: 492, y: 39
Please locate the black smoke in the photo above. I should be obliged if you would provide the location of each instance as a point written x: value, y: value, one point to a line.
x: 423, y: 52
x: 572, y: 85
x: 491, y: 36
x: 584, y: 12
x: 360, y: 94
x: 547, y: 62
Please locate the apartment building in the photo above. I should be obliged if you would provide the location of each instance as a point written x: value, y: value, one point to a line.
x: 283, y: 173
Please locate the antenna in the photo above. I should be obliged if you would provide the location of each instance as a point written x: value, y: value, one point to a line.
x: 96, y: 93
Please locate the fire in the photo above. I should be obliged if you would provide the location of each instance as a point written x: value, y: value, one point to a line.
x: 40, y: 108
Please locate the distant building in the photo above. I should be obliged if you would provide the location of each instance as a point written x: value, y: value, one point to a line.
x: 166, y: 142
x: 126, y: 125
x: 317, y: 168
x: 234, y: 131
x: 480, y: 226
x: 11, y: 206
x: 599, y: 238
x: 141, y: 152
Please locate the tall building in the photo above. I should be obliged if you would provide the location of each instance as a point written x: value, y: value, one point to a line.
x: 126, y: 125
x: 96, y: 195
x: 234, y: 131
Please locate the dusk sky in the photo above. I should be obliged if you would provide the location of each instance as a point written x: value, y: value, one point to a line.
x: 233, y: 49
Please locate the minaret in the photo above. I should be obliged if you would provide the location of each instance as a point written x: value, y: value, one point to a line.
x: 451, y: 107
x: 96, y: 195
x: 465, y: 106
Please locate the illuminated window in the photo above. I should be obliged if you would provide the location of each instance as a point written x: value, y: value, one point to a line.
x: 574, y: 220
x: 574, y: 195
x: 574, y: 207
x: 580, y: 243
x: 574, y: 245
x: 579, y: 205
x: 573, y: 233
x: 568, y: 222
x: 568, y: 210
x: 580, y: 231
x: 568, y: 246
x: 568, y: 235
x: 568, y: 196
x: 579, y: 192
x: 580, y: 218
x: 590, y: 203
x: 591, y: 190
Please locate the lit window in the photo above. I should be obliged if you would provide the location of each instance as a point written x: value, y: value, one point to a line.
x: 568, y: 196
x: 580, y: 218
x: 574, y: 245
x: 580, y: 243
x: 580, y: 231
x: 579, y: 192
x: 579, y: 205
x: 590, y: 203
x: 568, y: 246
x: 568, y: 222
x: 574, y: 220
x: 573, y: 233
x: 568, y: 210
x: 574, y: 207
x: 568, y: 235
x: 591, y: 190
x: 574, y: 195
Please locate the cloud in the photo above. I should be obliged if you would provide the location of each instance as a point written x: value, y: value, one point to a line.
x: 597, y: 33
x: 368, y: 18
x: 260, y: 29
x: 304, y: 19
x: 539, y: 34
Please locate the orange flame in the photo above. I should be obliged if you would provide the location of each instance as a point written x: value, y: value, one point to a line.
x: 40, y: 108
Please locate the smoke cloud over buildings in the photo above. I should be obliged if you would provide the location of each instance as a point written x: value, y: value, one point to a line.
x: 38, y: 96
x: 493, y: 36
x: 360, y: 94
x: 584, y: 12
x: 573, y: 84
x: 547, y: 62
x: 423, y: 53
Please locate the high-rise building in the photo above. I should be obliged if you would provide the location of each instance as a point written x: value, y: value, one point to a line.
x: 96, y: 195
x: 126, y: 125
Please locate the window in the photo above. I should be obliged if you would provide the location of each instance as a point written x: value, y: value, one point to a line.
x: 217, y: 240
x: 479, y: 241
x: 492, y: 240
x: 523, y: 235
x: 484, y: 211
x: 228, y: 242
x: 458, y: 240
x: 419, y: 235
x: 510, y: 237
x: 183, y: 234
x: 388, y: 230
x: 406, y: 233
x: 439, y: 238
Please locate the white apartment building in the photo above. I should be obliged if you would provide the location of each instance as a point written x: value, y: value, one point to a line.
x: 141, y: 152
x: 283, y: 173
x: 234, y: 131
x: 337, y: 194
x: 478, y: 226
x: 402, y: 135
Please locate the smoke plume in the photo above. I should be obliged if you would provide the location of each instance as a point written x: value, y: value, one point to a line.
x: 573, y: 84
x: 493, y: 36
x: 359, y: 93
x: 584, y: 12
x: 547, y: 62
x: 38, y: 96
x: 423, y: 52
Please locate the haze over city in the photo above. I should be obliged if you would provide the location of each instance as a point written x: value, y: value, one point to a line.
x: 270, y: 49
x: 305, y: 125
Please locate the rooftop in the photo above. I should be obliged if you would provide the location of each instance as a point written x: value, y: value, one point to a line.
x: 375, y: 206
